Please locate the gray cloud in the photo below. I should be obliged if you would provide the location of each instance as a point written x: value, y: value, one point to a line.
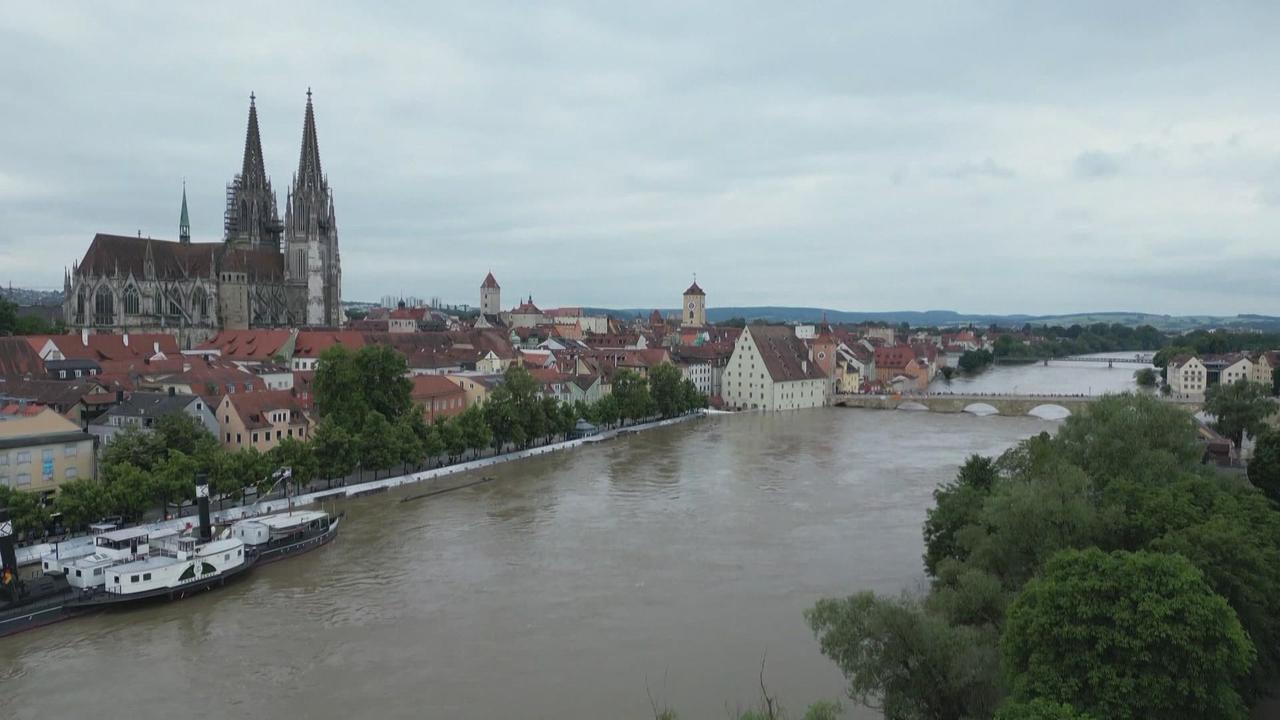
x: 857, y: 157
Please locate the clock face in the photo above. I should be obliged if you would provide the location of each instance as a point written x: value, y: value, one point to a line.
x: 690, y: 306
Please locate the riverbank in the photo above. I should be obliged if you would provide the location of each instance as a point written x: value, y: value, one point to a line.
x: 31, y: 554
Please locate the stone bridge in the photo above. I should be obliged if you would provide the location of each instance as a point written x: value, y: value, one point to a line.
x: 1049, y: 407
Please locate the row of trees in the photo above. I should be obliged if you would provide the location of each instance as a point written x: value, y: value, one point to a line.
x: 12, y: 323
x: 1102, y: 572
x: 368, y: 421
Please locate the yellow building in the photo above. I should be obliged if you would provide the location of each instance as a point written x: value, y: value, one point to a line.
x: 40, y: 449
x: 260, y: 420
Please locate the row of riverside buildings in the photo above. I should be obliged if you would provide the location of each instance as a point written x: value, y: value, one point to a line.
x: 1190, y: 376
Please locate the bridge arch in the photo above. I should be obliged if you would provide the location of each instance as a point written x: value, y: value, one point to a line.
x: 913, y: 406
x: 981, y: 409
x: 1049, y: 411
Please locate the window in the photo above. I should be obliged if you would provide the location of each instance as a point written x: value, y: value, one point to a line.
x: 80, y: 305
x: 69, y: 450
x: 132, y: 305
x: 104, y: 307
x: 24, y: 457
x: 227, y: 556
x: 157, y: 304
x: 97, y: 571
x: 255, y: 437
x: 4, y: 458
x: 228, y: 437
x: 71, y: 473
x: 238, y: 438
x: 146, y: 576
x: 175, y: 307
x: 199, y: 305
x: 278, y: 434
x: 46, y: 464
x: 79, y: 574
x: 117, y: 579
x: 133, y: 578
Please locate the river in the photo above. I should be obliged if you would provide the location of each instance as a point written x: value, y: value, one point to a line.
x: 676, y: 559
x: 1059, y: 377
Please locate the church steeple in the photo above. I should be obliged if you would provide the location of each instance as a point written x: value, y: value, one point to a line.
x: 312, y: 262
x: 309, y: 173
x: 253, y: 169
x: 184, y: 222
x: 251, y: 219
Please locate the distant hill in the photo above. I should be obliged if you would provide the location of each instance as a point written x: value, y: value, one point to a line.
x: 950, y: 318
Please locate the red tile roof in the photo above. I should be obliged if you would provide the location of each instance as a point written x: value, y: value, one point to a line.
x: 785, y: 356
x: 311, y: 343
x: 18, y: 358
x: 490, y: 282
x: 427, y: 387
x: 894, y: 357
x: 252, y: 407
x: 249, y: 345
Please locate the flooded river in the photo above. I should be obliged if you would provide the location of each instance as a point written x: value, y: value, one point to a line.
x: 674, y: 559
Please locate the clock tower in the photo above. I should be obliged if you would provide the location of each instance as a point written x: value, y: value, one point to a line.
x: 693, y: 313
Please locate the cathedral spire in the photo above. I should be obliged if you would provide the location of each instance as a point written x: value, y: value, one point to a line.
x: 253, y: 170
x: 184, y: 222
x: 309, y: 173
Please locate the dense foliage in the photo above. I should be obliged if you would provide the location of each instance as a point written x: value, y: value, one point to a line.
x: 1114, y: 574
x: 972, y: 361
x: 11, y: 323
x: 1238, y: 408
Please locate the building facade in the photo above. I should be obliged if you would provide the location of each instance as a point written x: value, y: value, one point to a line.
x: 1187, y: 378
x: 771, y: 369
x: 40, y: 450
x: 192, y: 290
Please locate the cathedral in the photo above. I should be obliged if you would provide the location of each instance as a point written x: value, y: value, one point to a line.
x: 263, y: 273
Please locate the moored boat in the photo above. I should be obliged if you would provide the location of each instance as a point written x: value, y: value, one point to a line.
x: 136, y: 564
x: 275, y: 537
x: 27, y: 604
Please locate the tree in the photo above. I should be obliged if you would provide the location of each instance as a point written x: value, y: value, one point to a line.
x: 299, y: 457
x: 173, y: 480
x: 475, y: 431
x: 567, y: 420
x: 1126, y: 635
x: 1240, y: 407
x: 1146, y: 377
x: 384, y: 381
x: 179, y: 431
x: 905, y: 661
x: 664, y: 389
x: 82, y: 501
x: 25, y: 510
x: 232, y: 473
x: 1129, y: 435
x: 632, y: 395
x: 972, y: 361
x: 452, y: 437
x: 377, y: 443
x: 956, y: 506
x: 1264, y: 466
x: 334, y: 449
x: 1039, y: 709
x: 338, y: 389
x: 1275, y: 381
x: 605, y: 411
x: 129, y: 488
x: 135, y: 447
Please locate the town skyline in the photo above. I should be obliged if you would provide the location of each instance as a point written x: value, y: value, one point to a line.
x: 559, y: 151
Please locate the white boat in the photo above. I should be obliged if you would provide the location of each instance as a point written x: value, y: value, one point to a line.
x: 274, y: 537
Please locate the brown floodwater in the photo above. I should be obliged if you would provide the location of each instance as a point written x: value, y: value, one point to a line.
x: 575, y: 586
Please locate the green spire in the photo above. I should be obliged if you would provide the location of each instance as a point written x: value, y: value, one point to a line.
x: 184, y: 223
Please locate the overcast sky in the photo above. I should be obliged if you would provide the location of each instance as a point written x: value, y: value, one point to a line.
x: 982, y: 157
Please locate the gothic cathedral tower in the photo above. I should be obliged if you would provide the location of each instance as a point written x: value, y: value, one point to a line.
x: 312, y: 267
x: 694, y: 312
x: 251, y: 220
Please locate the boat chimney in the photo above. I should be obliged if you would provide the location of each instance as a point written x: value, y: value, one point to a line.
x: 8, y: 558
x: 202, y: 499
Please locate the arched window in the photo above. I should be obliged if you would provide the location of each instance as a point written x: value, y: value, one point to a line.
x: 80, y: 305
x: 199, y: 305
x: 175, y: 304
x: 132, y: 304
x: 157, y: 303
x: 104, y: 307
